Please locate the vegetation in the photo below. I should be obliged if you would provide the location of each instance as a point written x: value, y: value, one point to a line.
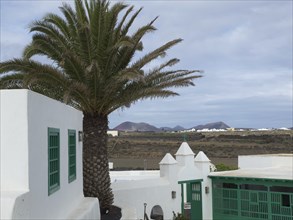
x: 223, y: 167
x: 93, y: 69
x: 178, y: 216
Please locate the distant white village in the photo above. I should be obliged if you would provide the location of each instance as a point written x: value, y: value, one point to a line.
x: 210, y: 127
x: 34, y: 187
x: 233, y: 129
x: 115, y: 133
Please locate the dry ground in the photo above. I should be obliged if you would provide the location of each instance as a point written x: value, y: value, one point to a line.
x: 141, y: 150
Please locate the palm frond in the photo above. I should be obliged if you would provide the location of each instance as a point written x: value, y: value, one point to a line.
x: 12, y: 81
x: 58, y: 22
x: 125, y: 29
x: 93, y: 54
x: 161, y: 51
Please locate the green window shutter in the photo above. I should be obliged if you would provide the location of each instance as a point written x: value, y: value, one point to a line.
x: 71, y: 155
x: 53, y: 160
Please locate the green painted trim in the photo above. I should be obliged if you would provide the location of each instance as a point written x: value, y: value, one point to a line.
x: 250, y: 178
x: 252, y: 204
x: 56, y: 186
x: 71, y: 176
x: 182, y: 199
x: 190, y: 181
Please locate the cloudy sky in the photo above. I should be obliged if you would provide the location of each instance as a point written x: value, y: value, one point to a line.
x: 244, y: 47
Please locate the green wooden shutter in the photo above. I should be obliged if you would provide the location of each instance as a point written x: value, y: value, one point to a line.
x: 53, y: 160
x: 71, y: 155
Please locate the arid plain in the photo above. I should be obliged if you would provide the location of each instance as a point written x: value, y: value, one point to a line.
x: 142, y: 150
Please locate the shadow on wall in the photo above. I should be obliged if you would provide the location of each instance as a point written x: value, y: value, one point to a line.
x: 21, y: 207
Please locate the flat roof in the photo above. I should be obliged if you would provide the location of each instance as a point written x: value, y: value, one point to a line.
x: 277, y: 173
x: 268, y: 155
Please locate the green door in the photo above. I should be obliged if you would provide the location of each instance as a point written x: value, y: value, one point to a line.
x: 195, y: 199
x: 191, y: 203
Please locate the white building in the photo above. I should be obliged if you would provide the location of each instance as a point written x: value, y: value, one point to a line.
x: 132, y: 189
x: 262, y: 188
x: 41, y: 159
x: 41, y: 174
x: 113, y: 133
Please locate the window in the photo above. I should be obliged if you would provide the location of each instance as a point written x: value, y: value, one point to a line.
x: 230, y: 185
x: 225, y: 185
x: 285, y: 189
x: 253, y: 187
x: 286, y: 200
x: 71, y: 155
x: 53, y: 160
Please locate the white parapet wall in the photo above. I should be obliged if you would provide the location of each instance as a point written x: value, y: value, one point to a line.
x: 265, y: 160
x: 25, y: 118
x: 132, y: 192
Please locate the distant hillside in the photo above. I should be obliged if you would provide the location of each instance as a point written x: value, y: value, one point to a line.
x: 131, y: 126
x: 214, y: 125
x: 145, y: 127
x: 176, y: 128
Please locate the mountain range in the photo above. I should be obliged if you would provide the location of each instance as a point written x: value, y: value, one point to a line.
x: 145, y: 127
x: 214, y: 125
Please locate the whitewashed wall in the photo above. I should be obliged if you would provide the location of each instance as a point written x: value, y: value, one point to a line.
x: 14, y: 141
x: 25, y: 119
x: 155, y: 188
x: 131, y: 196
x: 266, y: 160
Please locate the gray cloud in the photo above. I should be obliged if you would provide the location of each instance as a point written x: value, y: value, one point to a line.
x: 244, y: 47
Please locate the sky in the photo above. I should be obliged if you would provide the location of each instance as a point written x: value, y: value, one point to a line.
x: 243, y: 47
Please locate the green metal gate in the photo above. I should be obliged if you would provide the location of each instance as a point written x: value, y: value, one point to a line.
x: 196, y: 200
x: 192, y: 196
x: 252, y: 199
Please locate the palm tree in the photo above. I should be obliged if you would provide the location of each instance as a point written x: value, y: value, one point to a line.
x: 93, y: 70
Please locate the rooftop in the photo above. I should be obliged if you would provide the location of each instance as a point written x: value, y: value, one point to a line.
x: 269, y: 155
x: 168, y: 159
x: 184, y: 150
x: 134, y: 175
x: 280, y: 173
x: 201, y: 157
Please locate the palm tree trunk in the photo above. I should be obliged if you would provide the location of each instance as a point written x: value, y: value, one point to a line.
x: 96, y: 177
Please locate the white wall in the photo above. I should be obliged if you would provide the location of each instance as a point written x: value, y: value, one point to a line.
x: 25, y: 119
x: 267, y: 160
x: 43, y: 113
x: 131, y: 192
x: 131, y: 196
x: 204, y: 169
x: 14, y: 140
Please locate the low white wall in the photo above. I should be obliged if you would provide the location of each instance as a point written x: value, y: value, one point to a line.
x: 15, y: 205
x: 132, y: 194
x: 134, y: 175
